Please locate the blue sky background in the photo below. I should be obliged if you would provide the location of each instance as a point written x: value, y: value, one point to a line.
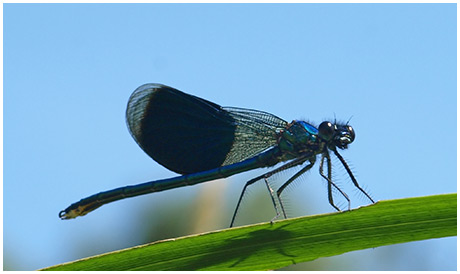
x: 69, y: 70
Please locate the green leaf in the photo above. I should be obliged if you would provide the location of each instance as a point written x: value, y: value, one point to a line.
x: 272, y: 246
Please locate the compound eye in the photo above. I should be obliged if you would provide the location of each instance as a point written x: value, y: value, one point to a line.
x: 326, y: 130
x: 351, y: 131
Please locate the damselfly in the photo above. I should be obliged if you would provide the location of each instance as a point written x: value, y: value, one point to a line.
x: 204, y: 141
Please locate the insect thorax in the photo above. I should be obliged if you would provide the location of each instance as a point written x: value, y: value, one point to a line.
x: 299, y: 138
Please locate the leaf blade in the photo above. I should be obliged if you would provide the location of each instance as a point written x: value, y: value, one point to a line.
x: 271, y: 246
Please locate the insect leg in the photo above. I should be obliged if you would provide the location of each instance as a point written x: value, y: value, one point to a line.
x: 295, y: 176
x: 265, y: 176
x: 355, y: 182
x: 330, y: 183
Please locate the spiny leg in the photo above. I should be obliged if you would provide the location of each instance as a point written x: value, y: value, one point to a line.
x: 330, y: 183
x: 250, y: 182
x: 270, y: 190
x: 355, y: 182
x: 265, y: 176
x: 295, y: 176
